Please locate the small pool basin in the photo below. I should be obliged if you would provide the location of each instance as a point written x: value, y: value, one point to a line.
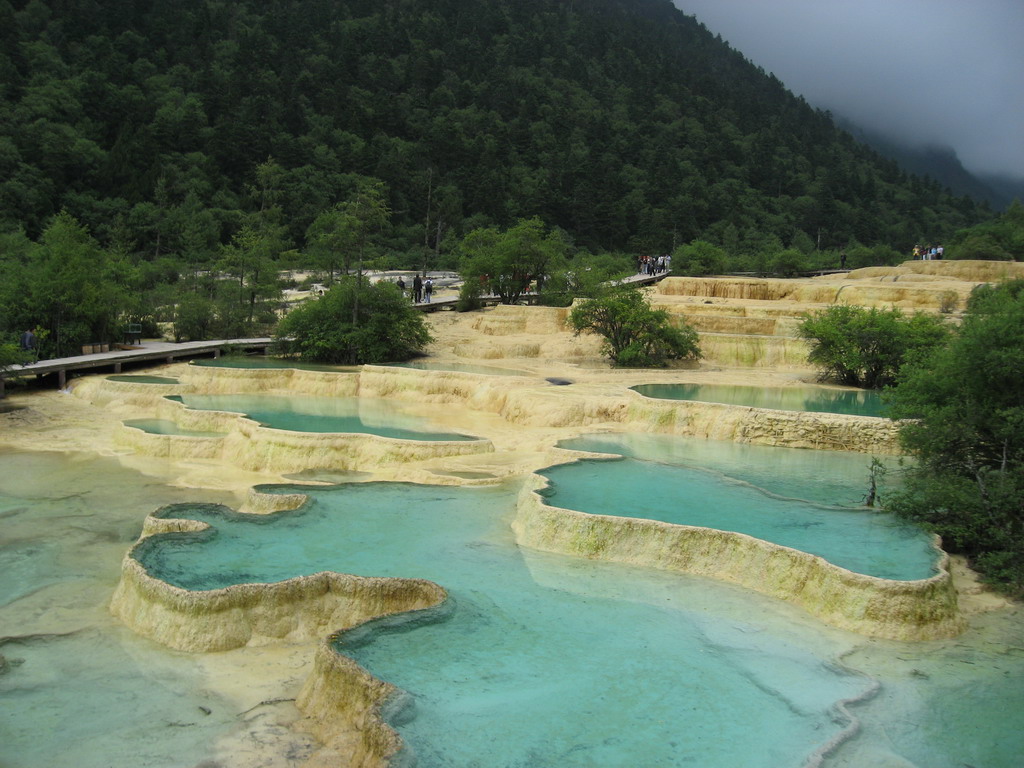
x: 802, y: 398
x: 324, y: 415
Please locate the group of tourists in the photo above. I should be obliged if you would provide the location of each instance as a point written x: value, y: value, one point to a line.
x: 653, y: 265
x: 928, y: 253
x: 421, y: 290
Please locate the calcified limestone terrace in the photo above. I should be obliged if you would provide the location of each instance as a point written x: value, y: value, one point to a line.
x: 746, y: 340
x: 303, y: 608
x: 247, y: 444
x: 516, y: 400
x: 347, y: 707
x: 900, y: 610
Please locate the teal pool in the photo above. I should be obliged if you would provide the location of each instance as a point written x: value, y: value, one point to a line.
x: 322, y: 414
x: 539, y: 660
x: 710, y: 496
x: 807, y: 398
x: 657, y: 671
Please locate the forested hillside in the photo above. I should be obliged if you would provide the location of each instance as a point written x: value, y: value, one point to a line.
x: 159, y: 126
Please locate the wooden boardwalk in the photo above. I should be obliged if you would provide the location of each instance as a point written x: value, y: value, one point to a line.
x: 114, y: 360
x: 167, y: 352
x: 449, y: 302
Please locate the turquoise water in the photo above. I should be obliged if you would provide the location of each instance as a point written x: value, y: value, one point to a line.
x: 79, y: 690
x: 83, y: 692
x: 275, y: 363
x: 859, y: 540
x: 489, y: 370
x: 540, y: 660
x: 104, y: 698
x: 322, y: 414
x: 814, y: 399
x: 166, y: 427
x: 138, y: 378
x: 829, y: 478
x: 808, y: 500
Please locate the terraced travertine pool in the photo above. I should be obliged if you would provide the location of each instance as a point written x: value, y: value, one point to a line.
x: 546, y: 660
x: 322, y: 415
x: 260, y: 362
x: 796, y: 398
x: 541, y: 659
x: 734, y: 487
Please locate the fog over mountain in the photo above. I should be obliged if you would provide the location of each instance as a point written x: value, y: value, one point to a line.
x: 921, y: 73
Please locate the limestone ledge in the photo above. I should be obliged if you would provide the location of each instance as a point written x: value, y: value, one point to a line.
x: 516, y: 399
x: 104, y: 392
x: 350, y: 709
x: 554, y: 407
x: 899, y: 610
x: 748, y: 351
x: 704, y: 320
x: 258, y: 502
x: 300, y: 609
x: 213, y: 380
x: 867, y: 292
x: 970, y: 270
x: 250, y: 446
x: 482, y: 392
x: 172, y: 447
x: 345, y: 705
x: 505, y: 320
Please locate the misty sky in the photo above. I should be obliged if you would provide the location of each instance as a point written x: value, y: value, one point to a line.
x: 941, y: 72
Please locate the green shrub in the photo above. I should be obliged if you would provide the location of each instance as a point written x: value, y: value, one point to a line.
x: 962, y: 412
x: 698, y: 259
x: 636, y: 335
x: 469, y: 296
x: 354, y: 323
x: 865, y: 347
x: 788, y: 263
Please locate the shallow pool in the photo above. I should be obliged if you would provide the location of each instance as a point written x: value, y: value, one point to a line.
x: 83, y: 691
x: 323, y: 414
x: 543, y: 660
x: 806, y: 398
x: 858, y: 539
x: 78, y: 689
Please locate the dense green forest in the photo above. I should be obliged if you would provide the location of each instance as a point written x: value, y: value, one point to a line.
x: 623, y: 122
x: 199, y: 139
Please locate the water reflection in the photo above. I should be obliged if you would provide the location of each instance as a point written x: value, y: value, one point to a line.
x: 806, y: 398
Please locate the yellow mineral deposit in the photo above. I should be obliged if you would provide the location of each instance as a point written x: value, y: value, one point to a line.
x: 749, y: 336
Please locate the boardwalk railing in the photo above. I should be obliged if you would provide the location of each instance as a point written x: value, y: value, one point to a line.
x: 167, y: 352
x: 113, y: 360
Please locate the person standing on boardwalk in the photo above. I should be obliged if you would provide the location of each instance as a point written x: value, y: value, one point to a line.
x: 428, y: 288
x: 28, y: 343
x: 417, y: 289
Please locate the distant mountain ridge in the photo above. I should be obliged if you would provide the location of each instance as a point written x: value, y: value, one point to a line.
x: 941, y: 164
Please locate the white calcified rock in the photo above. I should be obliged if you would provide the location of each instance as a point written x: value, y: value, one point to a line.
x: 747, y: 326
x: 303, y: 608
